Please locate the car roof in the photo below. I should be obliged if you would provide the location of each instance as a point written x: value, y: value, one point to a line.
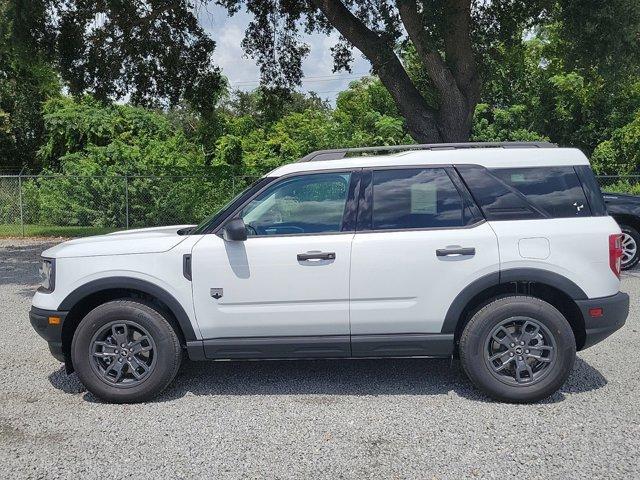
x: 487, y: 157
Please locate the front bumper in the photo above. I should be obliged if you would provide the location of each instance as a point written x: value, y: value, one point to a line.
x: 51, y: 333
x: 615, y: 310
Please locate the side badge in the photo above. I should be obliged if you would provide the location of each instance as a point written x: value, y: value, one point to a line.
x: 216, y: 293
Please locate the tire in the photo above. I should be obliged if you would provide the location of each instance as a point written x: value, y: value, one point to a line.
x: 140, y: 371
x: 630, y: 247
x: 485, y: 337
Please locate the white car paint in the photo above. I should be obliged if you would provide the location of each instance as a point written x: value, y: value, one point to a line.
x: 147, y: 240
x: 399, y: 285
x: 578, y: 250
x: 163, y: 269
x: 379, y: 282
x: 267, y: 291
x: 488, y: 157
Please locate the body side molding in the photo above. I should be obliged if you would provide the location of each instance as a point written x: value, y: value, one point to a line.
x: 128, y: 283
x: 323, y: 346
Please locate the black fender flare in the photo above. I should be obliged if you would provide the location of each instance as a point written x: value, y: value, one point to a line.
x: 129, y: 283
x: 507, y: 276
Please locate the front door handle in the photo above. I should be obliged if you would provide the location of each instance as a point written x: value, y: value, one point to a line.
x: 303, y: 257
x: 445, y: 252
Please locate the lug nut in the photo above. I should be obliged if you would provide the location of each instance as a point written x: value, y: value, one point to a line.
x: 511, y: 354
x: 513, y: 344
x: 519, y: 358
x: 521, y: 343
x: 526, y: 351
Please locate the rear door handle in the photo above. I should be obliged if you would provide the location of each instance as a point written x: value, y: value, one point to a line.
x: 303, y: 257
x: 445, y: 252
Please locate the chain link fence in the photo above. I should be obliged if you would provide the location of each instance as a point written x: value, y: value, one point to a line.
x: 59, y: 205
x: 620, y: 183
x: 65, y: 205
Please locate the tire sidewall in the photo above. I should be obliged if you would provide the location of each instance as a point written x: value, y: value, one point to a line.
x: 482, y: 324
x: 153, y: 323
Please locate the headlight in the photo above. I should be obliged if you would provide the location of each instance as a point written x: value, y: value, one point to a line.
x: 48, y: 274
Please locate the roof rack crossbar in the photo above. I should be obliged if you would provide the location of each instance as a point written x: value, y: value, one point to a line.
x: 338, y: 153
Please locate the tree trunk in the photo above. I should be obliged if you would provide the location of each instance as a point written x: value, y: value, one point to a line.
x: 422, y: 122
x: 456, y: 80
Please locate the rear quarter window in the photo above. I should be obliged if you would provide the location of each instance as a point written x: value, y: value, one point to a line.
x: 554, y: 190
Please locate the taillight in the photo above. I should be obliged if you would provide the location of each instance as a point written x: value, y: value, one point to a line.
x: 615, y: 253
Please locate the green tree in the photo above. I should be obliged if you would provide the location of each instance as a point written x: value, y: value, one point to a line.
x: 621, y: 154
x: 26, y: 81
x: 571, y: 103
x: 434, y: 55
x: 106, y: 152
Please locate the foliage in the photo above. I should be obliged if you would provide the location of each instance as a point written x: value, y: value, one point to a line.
x: 503, y: 124
x: 26, y: 81
x: 621, y: 154
x: 97, y: 155
x: 13, y: 230
x: 154, y: 52
x: 579, y: 107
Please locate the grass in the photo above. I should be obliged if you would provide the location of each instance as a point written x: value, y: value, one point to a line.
x: 13, y: 230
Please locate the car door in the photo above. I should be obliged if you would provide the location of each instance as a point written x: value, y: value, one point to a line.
x: 420, y: 242
x: 284, y: 292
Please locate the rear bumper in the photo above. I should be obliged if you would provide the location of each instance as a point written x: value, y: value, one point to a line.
x: 615, y: 310
x: 51, y: 333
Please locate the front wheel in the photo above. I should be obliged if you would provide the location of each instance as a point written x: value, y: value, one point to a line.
x: 518, y: 349
x: 124, y: 351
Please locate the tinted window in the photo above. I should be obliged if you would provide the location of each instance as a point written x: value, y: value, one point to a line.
x: 555, y: 190
x: 495, y: 199
x: 215, y: 220
x: 415, y: 198
x: 592, y: 190
x: 312, y: 203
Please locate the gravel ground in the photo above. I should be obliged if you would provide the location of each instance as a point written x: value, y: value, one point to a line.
x: 310, y: 419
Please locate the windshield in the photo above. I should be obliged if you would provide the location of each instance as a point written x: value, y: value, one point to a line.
x: 211, y: 221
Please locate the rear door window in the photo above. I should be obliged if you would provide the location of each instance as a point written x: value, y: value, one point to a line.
x: 554, y: 190
x: 415, y: 198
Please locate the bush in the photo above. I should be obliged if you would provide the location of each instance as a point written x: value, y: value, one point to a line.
x: 503, y: 125
x: 621, y: 154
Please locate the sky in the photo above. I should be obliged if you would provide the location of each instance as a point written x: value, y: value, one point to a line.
x: 243, y: 73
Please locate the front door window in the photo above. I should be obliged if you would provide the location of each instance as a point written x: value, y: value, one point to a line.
x: 306, y: 204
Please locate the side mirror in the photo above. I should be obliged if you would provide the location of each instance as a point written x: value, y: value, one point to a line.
x: 235, y: 231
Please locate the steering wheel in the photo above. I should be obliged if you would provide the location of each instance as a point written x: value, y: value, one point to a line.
x: 251, y: 228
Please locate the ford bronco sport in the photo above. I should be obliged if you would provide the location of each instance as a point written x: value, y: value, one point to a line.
x: 501, y: 254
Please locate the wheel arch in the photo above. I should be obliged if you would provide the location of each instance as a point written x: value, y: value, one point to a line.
x: 87, y: 297
x: 551, y: 287
x: 627, y: 219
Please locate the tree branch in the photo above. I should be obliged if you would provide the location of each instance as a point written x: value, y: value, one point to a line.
x: 437, y: 70
x: 454, y: 104
x: 420, y: 118
x: 458, y: 49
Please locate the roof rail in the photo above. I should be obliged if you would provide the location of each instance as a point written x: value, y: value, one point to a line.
x: 339, y: 153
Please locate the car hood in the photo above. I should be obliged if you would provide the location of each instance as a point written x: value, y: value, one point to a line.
x: 144, y: 240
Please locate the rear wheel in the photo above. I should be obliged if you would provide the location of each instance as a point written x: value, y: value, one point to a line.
x: 630, y: 247
x: 518, y: 349
x: 125, y: 351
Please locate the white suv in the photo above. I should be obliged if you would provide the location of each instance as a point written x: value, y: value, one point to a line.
x: 502, y: 254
